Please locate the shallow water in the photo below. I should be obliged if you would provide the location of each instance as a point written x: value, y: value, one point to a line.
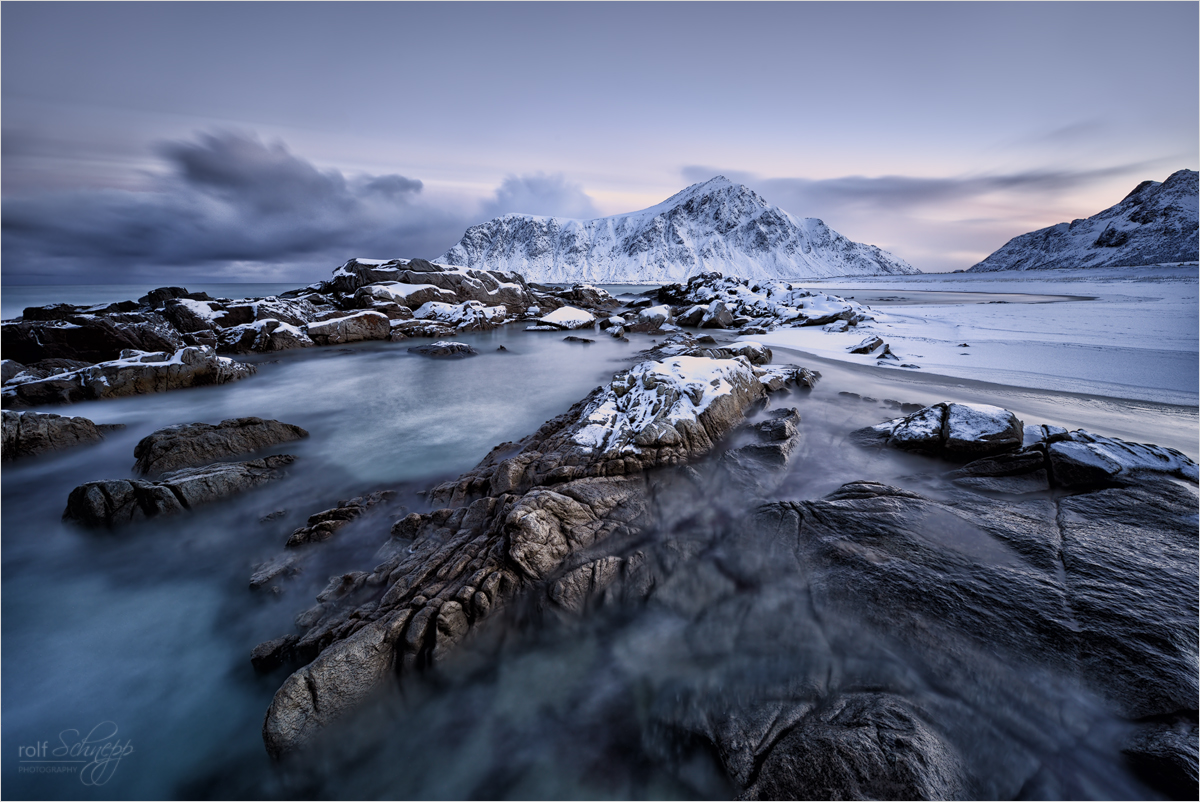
x: 151, y: 627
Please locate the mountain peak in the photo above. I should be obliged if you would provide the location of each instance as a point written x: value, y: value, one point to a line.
x: 1156, y: 223
x: 713, y: 225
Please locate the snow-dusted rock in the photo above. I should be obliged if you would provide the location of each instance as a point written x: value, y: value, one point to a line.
x: 444, y: 349
x: 1086, y: 460
x: 652, y: 318
x: 86, y: 335
x: 565, y: 318
x: 135, y: 373
x: 489, y: 287
x: 956, y: 431
x: 350, y: 329
x: 765, y: 304
x: 262, y: 336
x: 467, y: 316
x: 716, y: 225
x: 1154, y: 224
x: 408, y: 295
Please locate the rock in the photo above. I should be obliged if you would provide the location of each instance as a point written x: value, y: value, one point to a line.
x: 467, y: 316
x: 263, y: 337
x: 879, y: 644
x: 28, y: 434
x: 486, y: 286
x: 350, y: 329
x: 321, y: 526
x: 650, y: 319
x: 135, y: 373
x: 567, y: 317
x: 410, y: 296
x: 122, y: 501
x: 444, y: 349
x: 574, y: 339
x: 763, y: 304
x: 404, y: 329
x: 270, y: 655
x: 867, y: 346
x: 88, y: 336
x: 193, y: 444
x: 10, y: 368
x: 716, y: 316
x: 510, y: 525
x: 954, y: 431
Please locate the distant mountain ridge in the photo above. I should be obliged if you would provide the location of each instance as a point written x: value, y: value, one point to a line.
x: 717, y: 225
x: 1154, y: 224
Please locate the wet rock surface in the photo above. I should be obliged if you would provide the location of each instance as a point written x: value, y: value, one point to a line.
x: 509, y: 525
x: 193, y: 444
x: 27, y: 434
x: 135, y: 373
x: 444, y: 350
x: 117, y: 502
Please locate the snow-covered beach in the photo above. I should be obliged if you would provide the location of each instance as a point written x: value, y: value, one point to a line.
x: 1126, y: 333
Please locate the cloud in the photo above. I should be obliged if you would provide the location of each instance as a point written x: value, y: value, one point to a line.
x: 229, y: 207
x: 541, y: 194
x: 809, y: 197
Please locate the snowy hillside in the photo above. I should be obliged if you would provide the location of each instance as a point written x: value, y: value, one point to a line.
x: 1154, y: 224
x: 717, y: 225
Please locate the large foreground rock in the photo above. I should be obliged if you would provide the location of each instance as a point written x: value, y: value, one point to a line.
x: 135, y: 373
x: 27, y: 434
x: 504, y: 527
x: 878, y: 644
x: 192, y: 444
x: 122, y: 501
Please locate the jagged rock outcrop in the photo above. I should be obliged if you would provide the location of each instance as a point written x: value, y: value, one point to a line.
x: 122, y: 501
x: 135, y: 373
x: 1156, y: 223
x: 712, y: 300
x: 192, y: 444
x: 27, y: 434
x: 505, y: 526
x: 716, y: 225
x: 88, y: 334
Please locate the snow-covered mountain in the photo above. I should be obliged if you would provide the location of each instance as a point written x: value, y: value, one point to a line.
x: 1154, y: 224
x: 717, y: 225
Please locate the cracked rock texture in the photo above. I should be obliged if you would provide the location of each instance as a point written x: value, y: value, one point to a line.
x: 503, y: 528
x: 122, y: 501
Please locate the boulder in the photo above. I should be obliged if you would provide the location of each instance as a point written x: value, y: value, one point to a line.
x: 651, y: 319
x: 192, y: 444
x: 716, y: 316
x: 135, y: 373
x: 444, y: 349
x: 122, y: 501
x: 28, y: 434
x: 567, y: 317
x: 954, y: 431
x: 350, y: 329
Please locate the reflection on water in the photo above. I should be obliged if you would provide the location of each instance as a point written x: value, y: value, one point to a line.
x: 151, y: 627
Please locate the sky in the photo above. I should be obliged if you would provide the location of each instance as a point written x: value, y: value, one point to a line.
x: 177, y: 142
